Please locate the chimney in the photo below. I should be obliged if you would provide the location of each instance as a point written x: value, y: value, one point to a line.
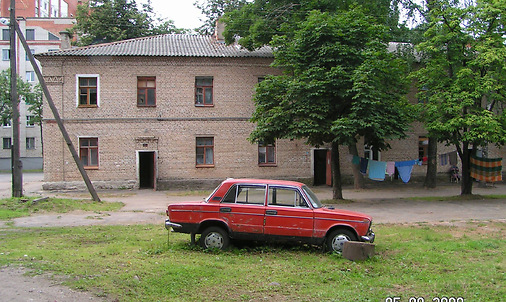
x: 218, y: 30
x: 65, y: 37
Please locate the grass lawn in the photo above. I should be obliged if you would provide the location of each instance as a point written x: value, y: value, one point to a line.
x: 18, y: 207
x: 135, y: 263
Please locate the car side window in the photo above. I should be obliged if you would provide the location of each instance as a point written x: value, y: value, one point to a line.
x: 286, y: 197
x: 246, y: 194
x: 230, y: 197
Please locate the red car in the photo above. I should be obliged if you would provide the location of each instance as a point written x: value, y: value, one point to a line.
x: 255, y: 209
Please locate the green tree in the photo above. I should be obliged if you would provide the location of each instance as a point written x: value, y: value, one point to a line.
x: 463, y: 77
x: 26, y: 92
x: 213, y: 10
x: 257, y: 22
x: 101, y: 21
x: 340, y: 83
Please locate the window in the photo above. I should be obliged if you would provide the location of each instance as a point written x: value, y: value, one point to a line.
x: 88, y: 152
x: 423, y: 149
x: 52, y: 37
x: 6, y: 54
x: 30, y: 121
x: 266, y: 154
x: 27, y: 58
x: 6, y: 122
x: 30, y: 143
x: 203, y: 91
x: 286, y: 197
x: 246, y: 194
x: 7, y: 143
x: 88, y: 91
x: 6, y: 35
x: 205, y: 152
x: 371, y: 152
x: 30, y: 76
x: 30, y: 34
x: 146, y: 91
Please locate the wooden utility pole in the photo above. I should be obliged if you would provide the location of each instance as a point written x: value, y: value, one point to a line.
x: 17, y: 166
x: 56, y: 115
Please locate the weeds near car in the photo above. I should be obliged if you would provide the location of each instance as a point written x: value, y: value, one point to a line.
x: 134, y: 263
x: 18, y: 207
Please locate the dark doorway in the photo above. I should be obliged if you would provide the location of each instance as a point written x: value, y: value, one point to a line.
x: 320, y: 167
x: 147, y: 170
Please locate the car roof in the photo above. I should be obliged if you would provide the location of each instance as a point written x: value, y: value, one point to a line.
x: 263, y: 181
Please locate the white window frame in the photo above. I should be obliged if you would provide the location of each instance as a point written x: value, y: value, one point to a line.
x: 30, y: 76
x: 29, y: 120
x: 33, y: 147
x: 87, y: 76
x: 6, y: 52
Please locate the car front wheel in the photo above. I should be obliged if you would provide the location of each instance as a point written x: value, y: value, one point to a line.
x: 337, y: 238
x: 214, y: 238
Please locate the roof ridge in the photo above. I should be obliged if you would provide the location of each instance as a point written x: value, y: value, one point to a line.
x: 169, y: 45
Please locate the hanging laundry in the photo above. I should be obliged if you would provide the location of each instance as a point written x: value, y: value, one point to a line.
x: 377, y: 170
x: 363, y: 165
x: 486, y: 169
x: 355, y: 160
x: 405, y: 168
x: 390, y: 168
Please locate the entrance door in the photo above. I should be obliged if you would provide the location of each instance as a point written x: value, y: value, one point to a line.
x: 320, y: 166
x: 147, y: 170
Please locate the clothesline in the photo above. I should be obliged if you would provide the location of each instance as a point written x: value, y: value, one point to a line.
x: 483, y: 169
x: 378, y: 169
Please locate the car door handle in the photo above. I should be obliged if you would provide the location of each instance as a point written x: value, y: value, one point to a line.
x: 271, y: 212
x: 225, y: 210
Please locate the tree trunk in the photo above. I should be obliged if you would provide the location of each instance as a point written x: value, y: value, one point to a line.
x: 337, y: 189
x: 431, y: 176
x: 467, y: 182
x: 358, y: 178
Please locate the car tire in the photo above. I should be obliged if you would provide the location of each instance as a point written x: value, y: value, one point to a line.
x: 214, y: 238
x: 336, y: 239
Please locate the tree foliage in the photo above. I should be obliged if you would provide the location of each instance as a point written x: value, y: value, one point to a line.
x: 463, y: 77
x: 26, y: 92
x: 213, y: 10
x: 257, y: 22
x: 101, y: 21
x: 340, y: 82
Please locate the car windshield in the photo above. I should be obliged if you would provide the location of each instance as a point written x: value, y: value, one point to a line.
x: 312, y: 197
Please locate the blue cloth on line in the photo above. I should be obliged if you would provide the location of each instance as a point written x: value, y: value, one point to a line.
x: 355, y: 160
x: 405, y: 168
x: 377, y: 170
x: 363, y: 165
x: 406, y: 163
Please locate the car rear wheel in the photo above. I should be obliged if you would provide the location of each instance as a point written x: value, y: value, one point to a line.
x: 337, y: 238
x: 214, y: 238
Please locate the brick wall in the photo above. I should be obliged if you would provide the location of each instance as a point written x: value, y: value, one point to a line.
x: 170, y: 128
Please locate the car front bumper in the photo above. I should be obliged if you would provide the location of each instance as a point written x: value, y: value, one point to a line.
x: 369, y: 237
x: 169, y: 225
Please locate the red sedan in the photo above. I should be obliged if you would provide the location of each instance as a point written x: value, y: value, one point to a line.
x: 262, y: 210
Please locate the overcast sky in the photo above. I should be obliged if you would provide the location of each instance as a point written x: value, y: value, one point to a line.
x: 182, y: 12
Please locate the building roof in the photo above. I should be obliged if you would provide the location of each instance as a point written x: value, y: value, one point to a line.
x: 168, y: 45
